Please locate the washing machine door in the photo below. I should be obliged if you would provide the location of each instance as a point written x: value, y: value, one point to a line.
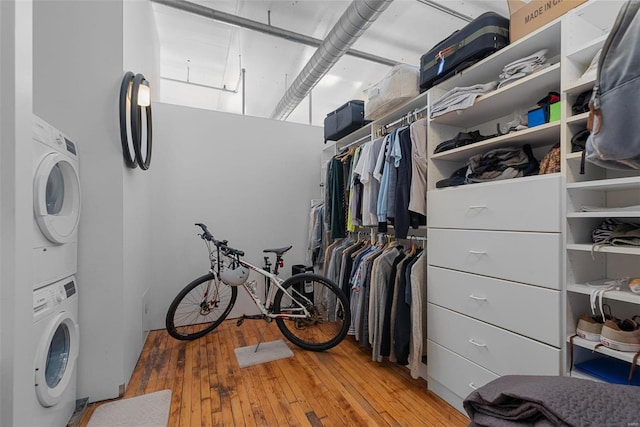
x: 55, y: 358
x: 57, y: 198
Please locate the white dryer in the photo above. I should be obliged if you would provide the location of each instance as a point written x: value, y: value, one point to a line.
x: 56, y: 204
x: 55, y: 320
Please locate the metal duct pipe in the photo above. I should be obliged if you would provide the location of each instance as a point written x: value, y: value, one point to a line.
x: 351, y: 25
x: 239, y: 21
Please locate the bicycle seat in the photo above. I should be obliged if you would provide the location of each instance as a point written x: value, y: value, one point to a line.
x: 278, y: 251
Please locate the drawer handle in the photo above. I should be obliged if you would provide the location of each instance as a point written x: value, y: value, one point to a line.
x: 478, y: 252
x: 477, y: 298
x: 476, y: 343
x: 473, y: 386
x: 478, y: 207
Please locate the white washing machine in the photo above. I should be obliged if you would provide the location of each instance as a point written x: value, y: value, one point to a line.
x: 55, y: 314
x: 56, y: 204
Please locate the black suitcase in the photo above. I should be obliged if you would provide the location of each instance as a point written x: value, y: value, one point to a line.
x: 480, y: 38
x: 344, y: 120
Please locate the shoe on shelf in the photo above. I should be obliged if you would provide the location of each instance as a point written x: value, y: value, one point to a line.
x: 622, y: 336
x: 589, y: 327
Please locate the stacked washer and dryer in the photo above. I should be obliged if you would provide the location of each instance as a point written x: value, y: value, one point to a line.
x: 56, y: 213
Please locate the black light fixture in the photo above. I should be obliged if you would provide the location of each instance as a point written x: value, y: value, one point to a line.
x: 135, y: 95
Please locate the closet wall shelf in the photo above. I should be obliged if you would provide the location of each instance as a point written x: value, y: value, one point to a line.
x: 579, y: 119
x: 625, y: 296
x: 505, y: 100
x: 547, y: 37
x: 590, y: 345
x: 577, y: 87
x: 538, y: 136
x: 586, y: 247
x: 606, y: 184
x: 354, y: 136
x: 400, y: 111
x: 605, y: 214
x: 574, y: 156
x: 585, y: 53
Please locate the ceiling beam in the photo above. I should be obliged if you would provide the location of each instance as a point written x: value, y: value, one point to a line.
x: 249, y: 24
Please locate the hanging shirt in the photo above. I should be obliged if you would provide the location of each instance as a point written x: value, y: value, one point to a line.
x: 418, y: 198
x: 371, y: 186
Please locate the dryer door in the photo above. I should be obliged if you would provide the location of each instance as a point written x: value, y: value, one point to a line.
x: 57, y: 198
x: 56, y: 358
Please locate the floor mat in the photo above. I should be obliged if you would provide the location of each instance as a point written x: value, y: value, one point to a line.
x: 147, y: 410
x: 268, y: 351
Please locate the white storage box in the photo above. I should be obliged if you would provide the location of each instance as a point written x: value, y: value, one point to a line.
x: 398, y: 86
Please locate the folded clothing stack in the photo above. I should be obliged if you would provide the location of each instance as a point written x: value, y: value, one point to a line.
x: 523, y: 67
x: 494, y: 165
x: 460, y: 98
x: 616, y: 233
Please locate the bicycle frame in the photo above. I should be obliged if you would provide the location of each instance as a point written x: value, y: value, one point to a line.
x: 265, y: 308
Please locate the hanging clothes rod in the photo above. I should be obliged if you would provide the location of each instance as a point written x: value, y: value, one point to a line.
x: 407, y: 118
x: 357, y: 141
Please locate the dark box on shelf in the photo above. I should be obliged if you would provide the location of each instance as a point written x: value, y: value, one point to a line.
x: 346, y: 119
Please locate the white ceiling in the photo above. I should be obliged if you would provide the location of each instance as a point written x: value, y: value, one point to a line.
x: 211, y: 53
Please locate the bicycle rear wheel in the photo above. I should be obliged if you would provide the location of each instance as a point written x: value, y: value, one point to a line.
x: 199, y: 308
x: 329, y: 314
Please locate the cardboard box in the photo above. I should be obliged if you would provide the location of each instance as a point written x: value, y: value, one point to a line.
x: 529, y: 15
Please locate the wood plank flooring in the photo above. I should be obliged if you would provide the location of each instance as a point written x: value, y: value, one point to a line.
x: 340, y: 387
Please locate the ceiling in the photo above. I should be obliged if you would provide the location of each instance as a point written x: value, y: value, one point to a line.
x: 205, y: 52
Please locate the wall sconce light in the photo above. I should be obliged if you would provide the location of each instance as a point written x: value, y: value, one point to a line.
x: 135, y: 96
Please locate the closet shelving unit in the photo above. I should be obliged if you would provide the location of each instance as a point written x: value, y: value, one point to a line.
x: 495, y: 248
x: 586, y: 29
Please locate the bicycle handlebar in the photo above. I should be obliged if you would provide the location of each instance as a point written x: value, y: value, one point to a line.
x: 222, y: 245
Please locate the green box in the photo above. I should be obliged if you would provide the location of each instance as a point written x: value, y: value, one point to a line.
x: 554, y: 112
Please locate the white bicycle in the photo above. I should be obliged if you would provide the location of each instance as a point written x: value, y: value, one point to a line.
x: 309, y: 309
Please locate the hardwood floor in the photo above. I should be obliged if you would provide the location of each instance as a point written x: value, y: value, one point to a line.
x: 340, y: 387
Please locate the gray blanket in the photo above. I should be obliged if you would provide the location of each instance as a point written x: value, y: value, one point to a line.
x: 519, y: 400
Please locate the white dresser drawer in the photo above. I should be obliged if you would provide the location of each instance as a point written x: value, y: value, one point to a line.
x: 493, y: 348
x: 528, y: 204
x: 522, y: 257
x: 528, y: 310
x: 453, y: 371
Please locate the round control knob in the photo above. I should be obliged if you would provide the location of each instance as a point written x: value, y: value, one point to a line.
x: 60, y: 296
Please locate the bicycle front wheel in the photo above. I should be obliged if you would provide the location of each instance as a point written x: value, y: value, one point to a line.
x: 328, y: 318
x: 199, y: 308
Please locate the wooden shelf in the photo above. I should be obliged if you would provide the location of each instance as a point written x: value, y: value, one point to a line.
x: 401, y: 111
x: 546, y: 37
x: 575, y: 156
x: 627, y: 356
x: 585, y: 53
x: 578, y: 87
x: 587, y: 247
x: 630, y: 183
x: 547, y: 134
x: 605, y: 214
x: 625, y: 296
x: 520, y: 94
x: 578, y: 119
x: 354, y: 136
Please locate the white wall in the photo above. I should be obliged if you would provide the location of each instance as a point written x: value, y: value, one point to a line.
x: 249, y: 179
x: 78, y: 55
x: 16, y: 302
x: 141, y: 55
